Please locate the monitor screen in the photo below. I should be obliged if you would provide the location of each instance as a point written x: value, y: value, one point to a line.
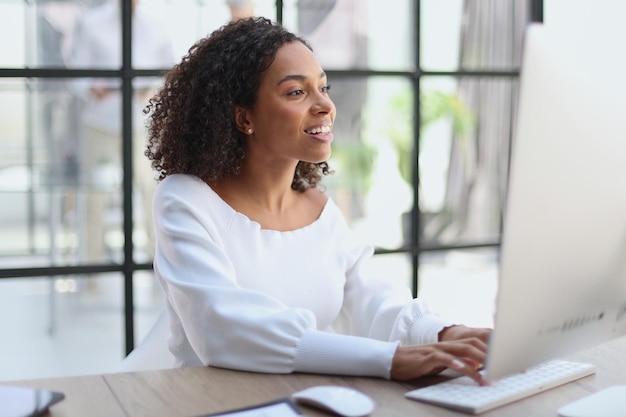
x: 562, y: 278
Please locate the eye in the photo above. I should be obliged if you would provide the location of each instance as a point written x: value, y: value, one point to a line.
x: 325, y: 89
x: 296, y: 93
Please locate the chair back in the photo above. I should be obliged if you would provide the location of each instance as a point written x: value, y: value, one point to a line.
x: 152, y: 353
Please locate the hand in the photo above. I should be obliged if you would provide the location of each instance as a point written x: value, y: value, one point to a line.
x: 100, y: 92
x: 463, y: 332
x: 463, y: 355
x: 460, y: 332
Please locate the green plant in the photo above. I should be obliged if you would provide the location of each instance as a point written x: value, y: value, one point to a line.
x: 357, y: 162
x: 435, y: 105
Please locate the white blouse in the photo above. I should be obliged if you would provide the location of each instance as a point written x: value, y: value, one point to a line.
x: 243, y: 297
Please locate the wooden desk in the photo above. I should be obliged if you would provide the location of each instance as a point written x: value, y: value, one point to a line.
x: 192, y: 392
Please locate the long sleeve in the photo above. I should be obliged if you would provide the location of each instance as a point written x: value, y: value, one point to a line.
x: 217, y: 321
x: 242, y: 297
x: 379, y: 307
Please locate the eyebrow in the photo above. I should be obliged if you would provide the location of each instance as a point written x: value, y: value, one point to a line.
x: 297, y: 77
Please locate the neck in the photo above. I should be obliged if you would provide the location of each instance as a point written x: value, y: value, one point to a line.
x: 269, y: 190
x: 267, y: 196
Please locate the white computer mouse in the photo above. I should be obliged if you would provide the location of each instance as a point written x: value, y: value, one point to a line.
x: 344, y: 401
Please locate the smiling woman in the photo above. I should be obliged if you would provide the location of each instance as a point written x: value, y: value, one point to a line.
x: 294, y: 90
x: 258, y: 265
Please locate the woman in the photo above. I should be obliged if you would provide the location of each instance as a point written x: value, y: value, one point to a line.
x: 256, y: 262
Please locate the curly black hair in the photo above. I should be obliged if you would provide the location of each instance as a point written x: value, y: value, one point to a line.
x: 192, y: 126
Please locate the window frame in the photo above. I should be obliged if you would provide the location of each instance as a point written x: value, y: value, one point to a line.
x: 128, y: 267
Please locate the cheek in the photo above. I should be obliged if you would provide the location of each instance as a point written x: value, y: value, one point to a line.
x: 285, y: 119
x: 290, y: 112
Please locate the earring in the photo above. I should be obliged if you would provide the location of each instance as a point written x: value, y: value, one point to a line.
x: 250, y: 131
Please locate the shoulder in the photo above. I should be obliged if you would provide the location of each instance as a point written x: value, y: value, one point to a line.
x: 174, y: 182
x: 182, y: 197
x: 182, y: 188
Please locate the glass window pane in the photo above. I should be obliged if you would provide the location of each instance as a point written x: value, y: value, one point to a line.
x: 37, y: 33
x: 355, y: 34
x: 12, y: 34
x: 60, y: 175
x: 472, y: 35
x: 59, y: 326
x: 460, y: 285
x: 186, y: 21
x: 144, y: 182
x: 72, y: 324
x: 394, y: 267
x: 440, y: 28
x: 148, y: 301
x: 391, y: 35
x: 367, y: 184
x: 97, y: 38
x: 54, y: 33
x: 33, y: 146
x: 99, y: 155
x: 13, y: 110
x: 464, y: 155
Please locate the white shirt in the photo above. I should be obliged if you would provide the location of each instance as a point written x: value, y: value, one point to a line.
x: 98, y: 45
x: 247, y: 298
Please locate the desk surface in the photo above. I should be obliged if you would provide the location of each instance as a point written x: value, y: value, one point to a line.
x: 189, y: 392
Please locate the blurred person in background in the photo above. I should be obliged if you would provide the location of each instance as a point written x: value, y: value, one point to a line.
x: 240, y: 9
x: 98, y: 45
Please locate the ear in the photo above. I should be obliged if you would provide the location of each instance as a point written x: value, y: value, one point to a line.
x: 242, y: 120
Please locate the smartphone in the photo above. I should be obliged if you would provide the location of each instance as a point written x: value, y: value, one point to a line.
x: 27, y: 402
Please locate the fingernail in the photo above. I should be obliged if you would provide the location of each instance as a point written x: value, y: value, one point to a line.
x: 457, y: 364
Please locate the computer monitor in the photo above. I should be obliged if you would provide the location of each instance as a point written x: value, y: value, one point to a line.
x: 562, y: 282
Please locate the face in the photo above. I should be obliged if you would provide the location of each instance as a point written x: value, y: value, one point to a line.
x: 293, y: 116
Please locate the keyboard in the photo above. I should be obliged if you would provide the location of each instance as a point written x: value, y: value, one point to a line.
x: 463, y: 394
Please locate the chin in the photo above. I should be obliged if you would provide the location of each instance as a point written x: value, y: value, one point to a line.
x: 317, y: 161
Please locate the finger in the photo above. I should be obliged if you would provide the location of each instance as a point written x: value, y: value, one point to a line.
x: 471, y: 362
x: 473, y: 340
x: 438, y: 360
x: 473, y: 351
x: 483, y: 334
x: 466, y: 369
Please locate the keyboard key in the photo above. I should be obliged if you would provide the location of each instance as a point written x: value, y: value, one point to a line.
x: 465, y: 395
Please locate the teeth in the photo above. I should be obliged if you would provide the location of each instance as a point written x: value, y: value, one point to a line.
x: 321, y: 129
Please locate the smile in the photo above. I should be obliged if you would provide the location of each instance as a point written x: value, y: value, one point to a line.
x: 318, y: 130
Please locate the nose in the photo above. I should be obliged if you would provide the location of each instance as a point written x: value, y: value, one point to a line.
x: 323, y: 104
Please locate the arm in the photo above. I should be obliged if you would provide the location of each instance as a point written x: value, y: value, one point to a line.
x: 378, y: 308
x: 227, y: 325
x: 382, y: 307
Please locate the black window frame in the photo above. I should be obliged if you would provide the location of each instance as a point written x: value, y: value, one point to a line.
x: 128, y: 267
